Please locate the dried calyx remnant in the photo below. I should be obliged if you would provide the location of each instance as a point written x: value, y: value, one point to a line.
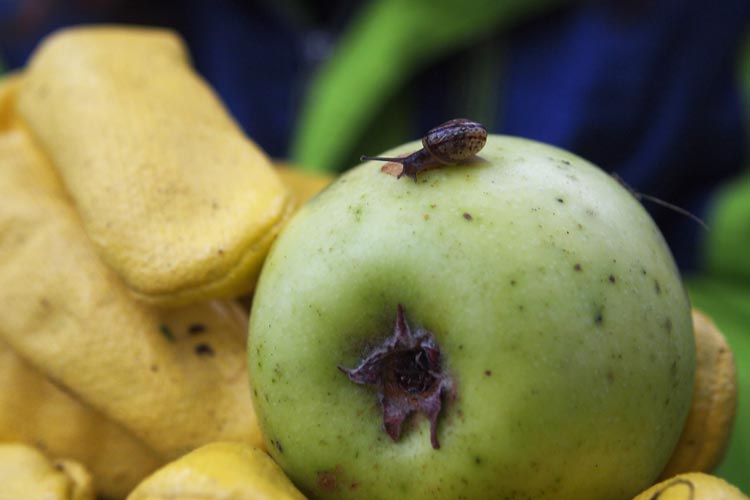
x: 407, y: 374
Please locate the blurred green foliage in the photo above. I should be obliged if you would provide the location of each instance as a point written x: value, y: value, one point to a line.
x: 375, y: 65
x: 722, y: 288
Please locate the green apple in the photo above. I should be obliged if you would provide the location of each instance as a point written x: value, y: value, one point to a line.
x: 514, y: 327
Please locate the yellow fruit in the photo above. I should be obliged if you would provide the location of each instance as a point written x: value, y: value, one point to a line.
x: 25, y: 473
x: 175, y: 379
x: 692, y: 486
x: 708, y: 427
x: 177, y: 201
x: 219, y: 471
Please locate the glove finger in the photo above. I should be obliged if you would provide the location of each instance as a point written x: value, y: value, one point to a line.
x: 36, y: 412
x: 26, y: 473
x: 692, y: 486
x: 302, y: 184
x: 219, y: 470
x: 70, y: 316
x: 175, y: 198
x: 708, y: 428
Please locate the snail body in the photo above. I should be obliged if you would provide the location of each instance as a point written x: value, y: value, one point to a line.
x: 452, y: 142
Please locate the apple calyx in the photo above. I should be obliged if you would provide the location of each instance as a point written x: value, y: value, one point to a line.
x: 406, y: 371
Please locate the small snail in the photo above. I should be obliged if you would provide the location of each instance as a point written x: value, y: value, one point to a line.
x: 452, y: 142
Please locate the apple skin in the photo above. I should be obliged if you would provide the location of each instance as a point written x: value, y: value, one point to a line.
x: 558, y: 309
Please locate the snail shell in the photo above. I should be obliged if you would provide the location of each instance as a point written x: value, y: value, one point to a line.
x: 455, y: 140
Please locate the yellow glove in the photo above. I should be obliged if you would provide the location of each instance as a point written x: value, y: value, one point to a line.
x: 692, y: 486
x: 303, y: 184
x: 219, y: 470
x: 35, y: 411
x: 172, y: 379
x: 25, y: 473
x: 177, y: 201
x: 708, y: 427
